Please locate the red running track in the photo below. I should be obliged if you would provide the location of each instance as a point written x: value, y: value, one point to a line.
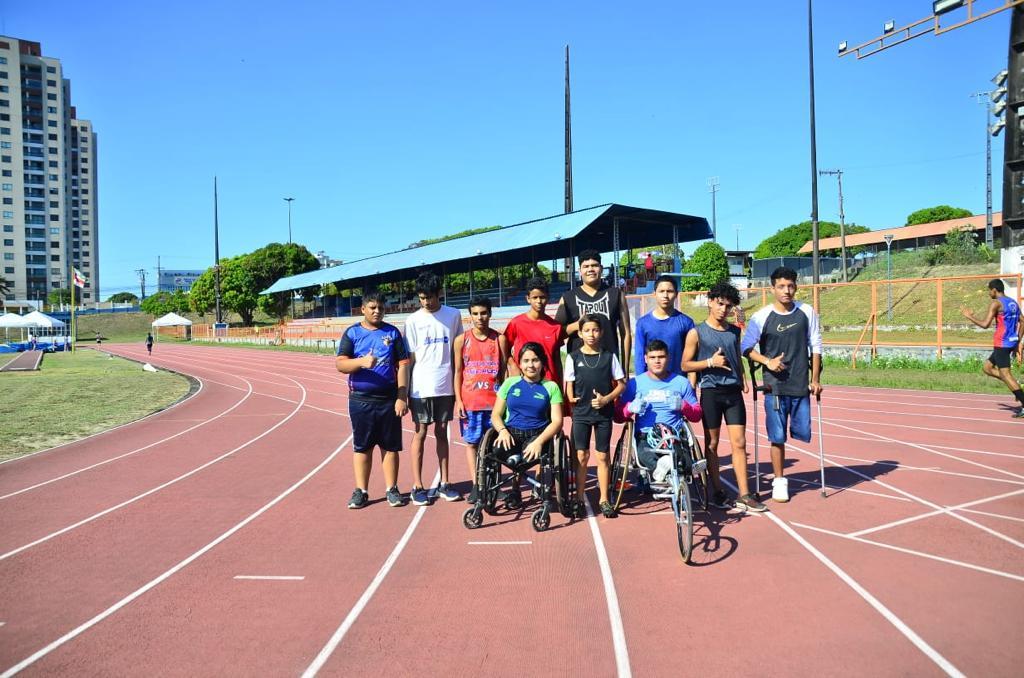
x: 213, y: 539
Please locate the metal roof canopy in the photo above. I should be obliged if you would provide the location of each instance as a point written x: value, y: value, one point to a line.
x: 606, y: 228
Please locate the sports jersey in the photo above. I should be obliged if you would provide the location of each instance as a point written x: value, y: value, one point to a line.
x: 710, y: 340
x: 672, y: 330
x: 528, y: 404
x: 546, y: 332
x: 1007, y: 321
x: 592, y: 375
x: 379, y: 382
x: 606, y: 305
x: 792, y: 334
x: 480, y: 362
x: 429, y: 337
x: 658, y: 394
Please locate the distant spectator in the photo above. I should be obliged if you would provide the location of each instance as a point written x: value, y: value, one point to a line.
x: 149, y: 343
x: 649, y: 266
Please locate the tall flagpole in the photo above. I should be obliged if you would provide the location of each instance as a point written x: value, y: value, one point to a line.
x: 74, y: 330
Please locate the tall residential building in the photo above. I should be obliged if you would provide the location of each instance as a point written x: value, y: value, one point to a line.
x: 48, y: 162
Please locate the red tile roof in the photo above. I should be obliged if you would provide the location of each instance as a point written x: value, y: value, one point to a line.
x: 977, y: 222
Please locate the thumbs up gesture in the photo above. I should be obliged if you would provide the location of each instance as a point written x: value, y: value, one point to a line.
x: 775, y: 364
x: 719, y: 359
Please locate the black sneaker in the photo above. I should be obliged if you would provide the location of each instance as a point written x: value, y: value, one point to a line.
x: 749, y: 502
x: 720, y: 500
x: 580, y: 509
x: 607, y: 510
x: 394, y: 497
x: 1019, y: 414
x: 359, y: 499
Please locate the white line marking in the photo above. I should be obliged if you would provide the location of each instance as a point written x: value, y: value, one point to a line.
x: 844, y: 488
x: 357, y: 609
x: 269, y: 577
x: 932, y: 469
x: 497, y: 543
x: 614, y: 614
x: 39, y: 654
x: 922, y: 516
x: 921, y: 554
x: 155, y: 489
x: 993, y: 515
x: 833, y: 420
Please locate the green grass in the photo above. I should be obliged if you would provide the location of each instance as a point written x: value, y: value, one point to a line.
x: 919, y: 379
x: 74, y: 395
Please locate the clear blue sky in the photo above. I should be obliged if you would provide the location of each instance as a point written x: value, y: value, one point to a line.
x: 390, y: 122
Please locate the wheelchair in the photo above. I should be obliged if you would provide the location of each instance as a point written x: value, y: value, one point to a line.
x: 557, y: 487
x: 685, y: 485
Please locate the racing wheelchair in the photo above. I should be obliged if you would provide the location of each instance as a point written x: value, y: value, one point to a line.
x: 684, y: 483
x: 494, y: 472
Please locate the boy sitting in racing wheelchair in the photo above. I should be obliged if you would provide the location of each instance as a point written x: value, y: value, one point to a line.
x: 659, y: 396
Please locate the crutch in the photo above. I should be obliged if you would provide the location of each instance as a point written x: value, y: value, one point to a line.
x: 821, y: 447
x: 754, y: 388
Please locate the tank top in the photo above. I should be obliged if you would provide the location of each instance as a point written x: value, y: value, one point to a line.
x: 604, y: 304
x: 1006, y: 324
x: 593, y: 376
x: 480, y: 361
x: 710, y: 341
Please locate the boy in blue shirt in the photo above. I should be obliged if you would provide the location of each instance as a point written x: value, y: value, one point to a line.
x: 373, y: 355
x: 664, y: 322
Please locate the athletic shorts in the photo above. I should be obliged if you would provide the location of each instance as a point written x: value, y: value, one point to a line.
x: 1001, y: 357
x: 792, y: 410
x: 520, y: 439
x: 474, y: 425
x: 723, y: 402
x: 435, y: 409
x: 374, y: 423
x: 602, y: 435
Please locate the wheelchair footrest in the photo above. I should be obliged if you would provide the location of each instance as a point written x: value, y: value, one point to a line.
x: 699, y: 466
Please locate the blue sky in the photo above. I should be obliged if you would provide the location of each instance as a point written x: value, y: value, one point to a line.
x: 393, y: 121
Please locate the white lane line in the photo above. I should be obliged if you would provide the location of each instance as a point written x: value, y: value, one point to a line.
x: 844, y: 488
x: 886, y: 613
x: 938, y: 447
x: 135, y: 451
x: 39, y: 654
x: 269, y: 577
x: 920, y: 554
x: 614, y: 614
x: 927, y: 469
x: 357, y: 609
x: 155, y: 489
x: 994, y: 515
x: 833, y: 420
x: 922, y: 516
x: 498, y: 543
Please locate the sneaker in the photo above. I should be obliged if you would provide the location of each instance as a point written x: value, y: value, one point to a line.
x: 580, y: 509
x: 1019, y: 414
x: 474, y: 494
x: 359, y: 499
x: 719, y: 499
x: 419, y: 496
x: 445, y: 491
x: 662, y: 469
x: 394, y: 497
x: 607, y: 510
x: 749, y: 502
x: 780, y: 490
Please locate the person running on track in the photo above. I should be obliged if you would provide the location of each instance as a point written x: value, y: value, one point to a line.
x: 713, y: 349
x: 1007, y: 340
x: 779, y: 336
x: 429, y: 335
x: 664, y: 322
x: 374, y: 357
x: 149, y: 343
x: 480, y: 357
x: 593, y: 380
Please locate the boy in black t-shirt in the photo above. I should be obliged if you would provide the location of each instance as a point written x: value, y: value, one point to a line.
x: 593, y: 379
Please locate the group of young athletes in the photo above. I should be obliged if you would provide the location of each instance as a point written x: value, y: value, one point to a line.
x: 517, y: 383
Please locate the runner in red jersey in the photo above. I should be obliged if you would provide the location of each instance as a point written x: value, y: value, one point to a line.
x: 535, y: 325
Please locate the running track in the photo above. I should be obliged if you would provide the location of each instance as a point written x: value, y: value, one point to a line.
x: 213, y: 539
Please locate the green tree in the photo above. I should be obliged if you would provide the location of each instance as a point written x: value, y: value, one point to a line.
x: 929, y: 215
x: 710, y: 265
x: 158, y: 304
x: 788, y: 241
x: 5, y: 286
x: 123, y: 298
x: 960, y: 247
x: 59, y: 296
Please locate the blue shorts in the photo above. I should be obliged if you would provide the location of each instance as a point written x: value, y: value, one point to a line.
x: 474, y: 425
x: 796, y: 410
x: 374, y: 423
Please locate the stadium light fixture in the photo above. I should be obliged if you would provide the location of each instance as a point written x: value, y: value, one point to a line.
x: 997, y: 94
x: 999, y: 78
x: 997, y: 127
x: 842, y: 46
x: 943, y: 6
x: 998, y: 109
x: 889, y: 26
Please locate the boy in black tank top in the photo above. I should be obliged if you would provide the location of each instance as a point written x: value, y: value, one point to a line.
x: 713, y: 349
x: 593, y: 379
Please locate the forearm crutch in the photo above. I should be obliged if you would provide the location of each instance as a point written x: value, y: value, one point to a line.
x: 821, y: 447
x: 754, y: 388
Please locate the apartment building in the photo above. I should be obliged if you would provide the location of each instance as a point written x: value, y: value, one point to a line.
x: 48, y: 161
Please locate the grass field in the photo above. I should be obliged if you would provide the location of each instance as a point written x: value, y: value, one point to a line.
x: 925, y: 380
x: 74, y: 395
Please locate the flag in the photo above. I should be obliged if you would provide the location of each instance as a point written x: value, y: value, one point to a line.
x: 78, y: 278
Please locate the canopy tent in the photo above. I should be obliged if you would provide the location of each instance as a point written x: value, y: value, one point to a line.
x: 37, y: 319
x: 12, y: 320
x: 172, y: 320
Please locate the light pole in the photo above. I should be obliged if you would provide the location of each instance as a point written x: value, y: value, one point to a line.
x: 993, y: 106
x: 289, y: 201
x: 816, y: 258
x: 737, y: 227
x: 713, y: 189
x: 888, y: 266
x: 838, y: 173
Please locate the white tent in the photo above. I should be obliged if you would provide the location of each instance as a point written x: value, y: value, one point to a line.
x: 37, y: 319
x: 171, y: 320
x: 12, y: 320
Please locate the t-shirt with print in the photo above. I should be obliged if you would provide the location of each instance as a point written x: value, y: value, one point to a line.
x: 379, y: 382
x: 429, y: 338
x: 659, y: 396
x: 527, y: 403
x: 549, y: 334
x: 796, y: 334
x: 592, y: 374
x: 606, y: 305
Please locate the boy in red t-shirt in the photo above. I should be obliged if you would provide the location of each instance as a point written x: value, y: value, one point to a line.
x: 535, y: 325
x: 480, y: 357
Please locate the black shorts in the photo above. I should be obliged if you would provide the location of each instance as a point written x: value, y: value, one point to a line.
x: 520, y: 439
x: 1001, y: 357
x: 434, y: 409
x: 719, y: 402
x: 374, y: 423
x: 602, y: 434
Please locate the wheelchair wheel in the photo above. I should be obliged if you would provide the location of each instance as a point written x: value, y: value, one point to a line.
x: 488, y: 472
x: 541, y: 519
x: 472, y: 518
x: 620, y: 463
x: 565, y: 478
x: 700, y: 480
x: 683, y: 509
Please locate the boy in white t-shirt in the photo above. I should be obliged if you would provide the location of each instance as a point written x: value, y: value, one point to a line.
x: 430, y: 335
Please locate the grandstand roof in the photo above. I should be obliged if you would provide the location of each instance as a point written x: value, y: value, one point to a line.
x: 538, y: 240
x: 976, y: 222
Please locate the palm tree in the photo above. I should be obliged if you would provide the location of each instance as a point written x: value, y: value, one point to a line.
x: 5, y: 287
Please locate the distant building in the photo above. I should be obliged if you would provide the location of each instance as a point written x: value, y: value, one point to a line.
x: 326, y: 261
x: 739, y: 267
x: 48, y: 159
x: 172, y: 281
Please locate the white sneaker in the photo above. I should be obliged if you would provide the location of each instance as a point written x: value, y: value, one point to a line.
x: 663, y: 467
x: 780, y: 490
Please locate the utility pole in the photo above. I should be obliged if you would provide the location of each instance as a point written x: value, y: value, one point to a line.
x: 158, y: 277
x: 289, y: 201
x: 568, y: 139
x: 838, y: 173
x: 216, y: 255
x: 713, y: 189
x: 816, y: 257
x: 142, y: 281
x: 737, y: 227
